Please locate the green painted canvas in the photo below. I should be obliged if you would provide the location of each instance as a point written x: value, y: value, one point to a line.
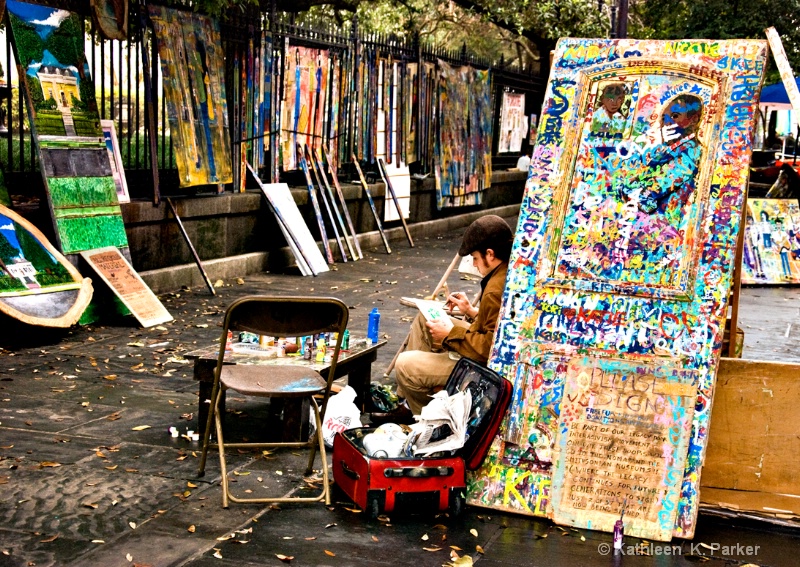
x: 49, y: 44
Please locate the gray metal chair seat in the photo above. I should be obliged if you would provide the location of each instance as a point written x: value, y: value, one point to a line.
x: 268, y: 381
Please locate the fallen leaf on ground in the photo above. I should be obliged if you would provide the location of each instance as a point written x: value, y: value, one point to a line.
x: 49, y: 539
x: 140, y: 428
x: 474, y: 532
x: 375, y: 538
x: 424, y: 537
x: 329, y: 526
x: 91, y: 505
x: 132, y: 525
x: 44, y: 464
x: 432, y: 548
x: 284, y: 558
x: 479, y: 549
x: 191, y: 529
x: 331, y: 553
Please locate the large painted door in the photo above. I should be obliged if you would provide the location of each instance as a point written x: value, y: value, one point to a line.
x: 614, y: 309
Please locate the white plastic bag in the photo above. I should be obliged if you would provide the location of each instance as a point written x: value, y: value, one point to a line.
x: 340, y: 415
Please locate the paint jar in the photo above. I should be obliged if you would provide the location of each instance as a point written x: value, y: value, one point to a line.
x: 229, y: 341
x: 321, y: 350
x: 346, y: 339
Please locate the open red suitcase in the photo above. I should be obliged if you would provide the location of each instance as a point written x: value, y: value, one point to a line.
x: 381, y: 485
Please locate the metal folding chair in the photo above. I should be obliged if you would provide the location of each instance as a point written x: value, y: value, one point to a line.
x: 280, y: 317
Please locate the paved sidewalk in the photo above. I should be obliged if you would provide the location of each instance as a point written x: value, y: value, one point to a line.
x: 82, y: 484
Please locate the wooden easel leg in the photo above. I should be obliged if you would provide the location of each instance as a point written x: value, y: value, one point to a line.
x: 396, y: 355
x: 736, y: 285
x: 442, y: 284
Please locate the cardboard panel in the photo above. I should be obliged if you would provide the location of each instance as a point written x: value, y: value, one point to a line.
x: 113, y: 268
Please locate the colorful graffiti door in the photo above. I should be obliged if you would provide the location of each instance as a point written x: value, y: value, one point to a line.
x: 614, y: 308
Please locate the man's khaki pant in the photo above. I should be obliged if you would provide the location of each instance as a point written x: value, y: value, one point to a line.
x: 423, y: 369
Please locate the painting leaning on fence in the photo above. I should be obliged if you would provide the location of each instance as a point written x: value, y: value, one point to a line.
x: 191, y: 63
x: 614, y: 309
x: 463, y: 152
x: 49, y: 45
x: 771, y: 253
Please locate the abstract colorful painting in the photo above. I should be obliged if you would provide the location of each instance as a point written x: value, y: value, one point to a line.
x: 624, y: 251
x: 513, y: 123
x: 304, y: 106
x: 462, y: 161
x: 30, y: 270
x: 192, y: 68
x: 49, y: 44
x: 771, y: 252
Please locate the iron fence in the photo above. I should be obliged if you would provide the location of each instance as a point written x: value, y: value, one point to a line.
x: 117, y: 69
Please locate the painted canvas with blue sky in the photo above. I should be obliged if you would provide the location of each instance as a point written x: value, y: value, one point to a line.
x: 26, y: 266
x: 57, y: 79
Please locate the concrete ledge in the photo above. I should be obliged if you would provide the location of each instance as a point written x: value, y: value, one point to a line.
x: 173, y: 278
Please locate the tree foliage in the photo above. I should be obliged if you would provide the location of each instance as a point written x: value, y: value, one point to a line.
x: 29, y: 44
x: 525, y: 31
x: 66, y: 42
x: 7, y: 251
x: 721, y: 19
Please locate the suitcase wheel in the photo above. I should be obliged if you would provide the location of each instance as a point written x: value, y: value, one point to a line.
x: 375, y: 501
x: 457, y: 502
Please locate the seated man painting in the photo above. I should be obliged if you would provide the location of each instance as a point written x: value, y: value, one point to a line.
x: 435, y: 346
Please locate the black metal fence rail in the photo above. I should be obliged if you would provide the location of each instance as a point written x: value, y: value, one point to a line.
x: 117, y: 70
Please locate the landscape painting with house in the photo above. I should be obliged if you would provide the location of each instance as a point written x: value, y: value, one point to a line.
x: 26, y: 265
x: 60, y: 91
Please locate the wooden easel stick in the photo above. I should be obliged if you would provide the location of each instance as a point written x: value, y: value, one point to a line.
x: 191, y: 247
x: 442, y: 284
x: 396, y: 356
x: 151, y: 111
x: 371, y: 202
x: 385, y: 175
x: 332, y: 169
x: 310, y: 159
x: 736, y: 286
x: 312, y: 195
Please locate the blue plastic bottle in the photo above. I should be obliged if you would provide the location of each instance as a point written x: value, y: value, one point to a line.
x: 373, y: 326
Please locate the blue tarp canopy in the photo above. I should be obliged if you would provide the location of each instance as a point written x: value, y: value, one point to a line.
x: 775, y: 96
